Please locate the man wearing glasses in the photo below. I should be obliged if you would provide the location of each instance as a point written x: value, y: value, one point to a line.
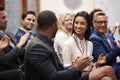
x: 104, y: 43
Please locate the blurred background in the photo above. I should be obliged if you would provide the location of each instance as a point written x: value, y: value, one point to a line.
x: 15, y: 8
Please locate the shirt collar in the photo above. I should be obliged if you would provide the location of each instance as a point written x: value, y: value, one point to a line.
x: 45, y: 39
x: 78, y: 38
x: 23, y: 29
x: 1, y: 31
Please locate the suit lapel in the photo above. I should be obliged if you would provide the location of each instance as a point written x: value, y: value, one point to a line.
x: 104, y: 42
x: 53, y: 56
x: 22, y: 32
x: 12, y: 37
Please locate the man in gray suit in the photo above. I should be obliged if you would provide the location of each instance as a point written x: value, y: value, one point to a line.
x: 9, y: 57
x: 41, y: 61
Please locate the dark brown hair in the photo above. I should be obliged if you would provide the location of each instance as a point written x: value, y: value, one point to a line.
x: 26, y: 13
x: 85, y: 15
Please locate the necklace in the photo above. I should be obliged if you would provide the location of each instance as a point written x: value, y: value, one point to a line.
x: 81, y: 50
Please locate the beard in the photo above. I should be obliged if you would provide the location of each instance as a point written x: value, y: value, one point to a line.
x: 53, y: 34
x: 3, y: 27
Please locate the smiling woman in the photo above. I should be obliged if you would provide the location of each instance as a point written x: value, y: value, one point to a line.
x: 72, y: 4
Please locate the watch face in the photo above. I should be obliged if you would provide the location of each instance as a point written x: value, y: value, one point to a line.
x: 72, y: 4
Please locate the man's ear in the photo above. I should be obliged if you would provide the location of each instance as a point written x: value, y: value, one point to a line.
x: 54, y: 25
x: 93, y: 22
x: 22, y: 21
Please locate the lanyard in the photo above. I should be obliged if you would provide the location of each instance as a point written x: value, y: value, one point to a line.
x: 82, y: 51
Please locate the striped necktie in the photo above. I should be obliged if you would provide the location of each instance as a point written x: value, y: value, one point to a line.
x: 109, y: 42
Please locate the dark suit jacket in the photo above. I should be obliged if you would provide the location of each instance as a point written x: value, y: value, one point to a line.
x: 100, y: 45
x: 42, y: 63
x: 9, y: 57
x: 19, y: 34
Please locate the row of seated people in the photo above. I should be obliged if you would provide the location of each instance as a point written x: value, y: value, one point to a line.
x: 87, y: 42
x: 42, y: 63
x: 12, y: 50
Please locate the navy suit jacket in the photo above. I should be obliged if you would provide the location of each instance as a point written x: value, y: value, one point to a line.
x: 100, y: 45
x: 42, y: 63
x: 19, y: 34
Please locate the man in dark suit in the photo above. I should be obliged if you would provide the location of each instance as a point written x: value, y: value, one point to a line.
x: 104, y: 42
x: 41, y: 61
x: 27, y: 24
x: 9, y: 57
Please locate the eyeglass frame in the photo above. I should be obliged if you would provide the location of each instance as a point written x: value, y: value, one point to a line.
x: 101, y: 22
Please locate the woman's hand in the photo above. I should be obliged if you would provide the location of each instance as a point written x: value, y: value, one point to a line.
x: 83, y: 63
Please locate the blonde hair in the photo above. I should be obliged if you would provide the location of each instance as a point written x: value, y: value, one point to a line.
x: 61, y: 21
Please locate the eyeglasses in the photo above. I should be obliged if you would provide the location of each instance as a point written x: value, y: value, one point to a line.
x: 101, y: 22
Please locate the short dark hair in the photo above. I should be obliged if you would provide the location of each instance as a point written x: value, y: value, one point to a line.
x: 85, y: 15
x: 2, y: 8
x: 45, y: 19
x: 26, y: 13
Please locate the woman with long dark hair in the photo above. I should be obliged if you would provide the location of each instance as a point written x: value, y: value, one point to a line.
x: 78, y: 45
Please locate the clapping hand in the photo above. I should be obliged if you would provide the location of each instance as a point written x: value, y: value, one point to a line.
x: 23, y: 39
x: 101, y: 59
x: 118, y: 42
x: 82, y: 62
x: 4, y: 42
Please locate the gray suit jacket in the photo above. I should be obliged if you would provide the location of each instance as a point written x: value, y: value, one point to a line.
x: 9, y: 58
x: 42, y: 63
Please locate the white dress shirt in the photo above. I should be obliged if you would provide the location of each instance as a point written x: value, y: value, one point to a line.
x: 71, y: 51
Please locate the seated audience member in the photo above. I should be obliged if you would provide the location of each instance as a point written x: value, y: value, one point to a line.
x: 27, y: 24
x: 104, y: 42
x: 9, y: 56
x: 78, y: 45
x: 63, y: 32
x: 8, y: 74
x: 108, y: 29
x: 41, y: 61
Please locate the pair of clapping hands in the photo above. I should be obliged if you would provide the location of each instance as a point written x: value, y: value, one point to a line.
x: 5, y: 40
x: 85, y: 63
